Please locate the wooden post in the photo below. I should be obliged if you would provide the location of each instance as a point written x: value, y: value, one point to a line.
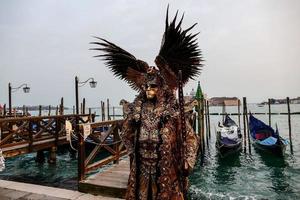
x: 49, y: 110
x: 30, y: 137
x: 223, y: 112
x: 199, y: 126
x: 103, y: 110
x: 116, y: 146
x: 269, y: 103
x: 52, y: 152
x: 83, y: 106
x: 4, y: 109
x: 56, y: 112
x: 239, y: 112
x: 244, y: 120
x: 208, y: 118
x: 114, y: 113
x: 202, y: 124
x: 93, y: 116
x: 61, y: 107
x: 73, y: 110
x: 206, y: 122
x: 247, y: 125
x: 40, y: 110
x: 40, y: 157
x: 90, y: 111
x: 24, y: 111
x: 289, y: 122
x: 107, y: 104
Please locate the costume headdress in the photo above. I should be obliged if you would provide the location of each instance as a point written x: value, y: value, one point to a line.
x: 179, y: 51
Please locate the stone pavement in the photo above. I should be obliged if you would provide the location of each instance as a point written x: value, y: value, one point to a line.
x: 10, y: 190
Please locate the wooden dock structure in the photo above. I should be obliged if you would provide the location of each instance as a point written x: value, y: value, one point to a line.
x: 110, y: 182
x: 21, y: 135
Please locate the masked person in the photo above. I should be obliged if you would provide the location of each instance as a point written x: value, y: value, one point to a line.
x: 152, y: 129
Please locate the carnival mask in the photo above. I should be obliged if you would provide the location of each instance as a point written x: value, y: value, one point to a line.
x: 151, y: 91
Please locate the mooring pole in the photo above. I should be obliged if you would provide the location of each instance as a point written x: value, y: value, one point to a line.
x: 83, y: 106
x: 9, y: 99
x: 208, y: 118
x: 223, y: 112
x: 108, y: 116
x: 239, y: 112
x: 49, y: 110
x: 61, y: 110
x: 114, y: 113
x: 40, y: 110
x: 269, y: 103
x: 206, y: 122
x: 289, y: 122
x: 247, y: 125
x: 244, y: 122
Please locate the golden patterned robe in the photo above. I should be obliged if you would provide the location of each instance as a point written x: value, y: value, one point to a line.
x: 150, y: 134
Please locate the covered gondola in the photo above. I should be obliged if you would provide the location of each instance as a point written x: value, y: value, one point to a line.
x: 229, y: 137
x: 265, y: 138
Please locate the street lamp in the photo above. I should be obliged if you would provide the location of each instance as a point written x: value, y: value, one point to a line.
x: 26, y: 89
x: 81, y: 152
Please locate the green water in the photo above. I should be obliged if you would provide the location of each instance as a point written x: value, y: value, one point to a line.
x: 242, y: 176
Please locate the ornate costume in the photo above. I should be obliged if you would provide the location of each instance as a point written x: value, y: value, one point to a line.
x: 161, y: 159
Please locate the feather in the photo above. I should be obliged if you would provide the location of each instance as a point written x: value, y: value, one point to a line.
x: 179, y: 49
x: 124, y: 65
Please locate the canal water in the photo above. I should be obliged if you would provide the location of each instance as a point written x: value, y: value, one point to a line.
x: 245, y: 176
x: 241, y: 176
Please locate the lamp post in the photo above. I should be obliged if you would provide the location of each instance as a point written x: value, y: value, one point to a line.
x: 81, y: 150
x: 26, y: 89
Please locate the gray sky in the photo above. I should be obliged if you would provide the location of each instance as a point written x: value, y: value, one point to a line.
x: 251, y: 48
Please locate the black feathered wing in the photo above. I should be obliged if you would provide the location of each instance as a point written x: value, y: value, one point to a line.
x: 179, y: 51
x: 124, y: 65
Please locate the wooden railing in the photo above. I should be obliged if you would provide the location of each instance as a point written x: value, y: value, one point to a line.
x: 105, y: 137
x: 22, y: 135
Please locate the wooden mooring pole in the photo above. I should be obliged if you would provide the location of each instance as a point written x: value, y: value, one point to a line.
x: 114, y: 113
x: 244, y: 122
x: 223, y: 112
x: 247, y: 125
x: 83, y: 106
x: 40, y: 110
x: 269, y: 104
x: 49, y: 110
x: 61, y: 106
x: 239, y: 112
x: 208, y: 118
x: 199, y: 124
x: 206, y: 122
x: 202, y: 124
x: 289, y: 122
x: 107, y: 104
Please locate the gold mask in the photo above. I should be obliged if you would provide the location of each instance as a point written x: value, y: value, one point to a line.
x: 151, y: 91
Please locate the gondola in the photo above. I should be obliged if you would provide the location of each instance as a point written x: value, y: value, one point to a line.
x: 229, y: 137
x: 265, y: 138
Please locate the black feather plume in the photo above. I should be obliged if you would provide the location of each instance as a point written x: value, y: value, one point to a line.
x: 180, y: 49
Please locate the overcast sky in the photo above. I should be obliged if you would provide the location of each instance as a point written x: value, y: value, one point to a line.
x: 251, y: 48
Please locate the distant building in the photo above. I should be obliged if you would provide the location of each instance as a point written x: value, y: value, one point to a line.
x: 227, y: 101
x: 295, y: 100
